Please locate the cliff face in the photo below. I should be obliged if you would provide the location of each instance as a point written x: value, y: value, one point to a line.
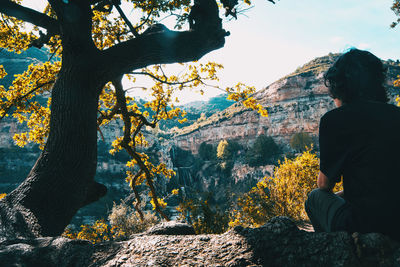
x: 295, y: 104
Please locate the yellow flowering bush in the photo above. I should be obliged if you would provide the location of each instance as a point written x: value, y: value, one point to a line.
x: 98, y: 232
x: 283, y: 194
x: 123, y: 221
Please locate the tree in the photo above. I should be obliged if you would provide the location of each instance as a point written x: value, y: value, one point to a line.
x: 227, y: 149
x: 301, y: 141
x: 93, y: 44
x: 207, y: 151
x: 263, y: 151
x: 223, y: 151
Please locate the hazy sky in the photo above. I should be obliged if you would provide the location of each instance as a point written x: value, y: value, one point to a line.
x: 273, y: 40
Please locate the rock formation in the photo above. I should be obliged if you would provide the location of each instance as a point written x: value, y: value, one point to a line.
x: 278, y: 243
x: 295, y: 104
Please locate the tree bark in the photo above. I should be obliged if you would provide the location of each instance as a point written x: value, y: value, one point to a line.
x: 62, y: 180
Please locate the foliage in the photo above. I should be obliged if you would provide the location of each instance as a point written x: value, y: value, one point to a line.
x: 241, y: 91
x: 226, y: 152
x: 300, y: 141
x: 254, y: 208
x: 396, y: 9
x: 227, y: 149
x: 283, y: 194
x: 123, y: 222
x: 263, y: 151
x: 98, y: 232
x: 396, y: 83
x: 205, y: 220
x: 223, y: 151
x: 126, y: 221
x: 207, y: 151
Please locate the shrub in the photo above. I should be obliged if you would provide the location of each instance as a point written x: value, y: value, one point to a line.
x: 125, y: 220
x: 98, y: 232
x: 301, y: 141
x: 205, y: 220
x: 263, y: 151
x: 207, y: 151
x: 283, y: 194
x: 223, y: 151
x: 254, y: 208
x: 227, y: 149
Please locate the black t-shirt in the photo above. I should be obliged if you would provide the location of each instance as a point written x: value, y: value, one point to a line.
x: 361, y: 143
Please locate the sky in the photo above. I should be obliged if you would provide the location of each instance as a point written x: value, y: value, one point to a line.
x: 270, y: 41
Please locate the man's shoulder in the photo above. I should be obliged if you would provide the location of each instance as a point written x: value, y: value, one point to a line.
x: 334, y: 114
x: 360, y: 109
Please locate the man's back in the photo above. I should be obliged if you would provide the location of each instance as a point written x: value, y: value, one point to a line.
x: 361, y: 142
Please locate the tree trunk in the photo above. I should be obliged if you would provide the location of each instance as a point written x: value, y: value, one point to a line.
x: 62, y: 180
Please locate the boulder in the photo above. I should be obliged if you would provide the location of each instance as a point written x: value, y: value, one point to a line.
x: 171, y: 228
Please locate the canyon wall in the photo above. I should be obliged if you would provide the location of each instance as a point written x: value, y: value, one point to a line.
x: 295, y: 104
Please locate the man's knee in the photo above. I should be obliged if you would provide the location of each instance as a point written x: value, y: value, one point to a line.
x: 312, y: 199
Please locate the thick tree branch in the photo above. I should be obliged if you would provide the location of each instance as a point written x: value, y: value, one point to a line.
x: 12, y: 9
x: 161, y: 48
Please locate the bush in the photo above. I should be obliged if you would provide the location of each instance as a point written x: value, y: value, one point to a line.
x: 222, y: 150
x: 263, y: 151
x: 207, y: 151
x: 283, y: 194
x: 227, y: 149
x: 301, y: 141
x: 123, y: 222
x: 205, y: 220
x: 98, y: 232
x: 126, y: 220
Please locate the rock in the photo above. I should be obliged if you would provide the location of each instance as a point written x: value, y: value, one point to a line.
x: 171, y: 228
x: 277, y: 243
x: 295, y: 103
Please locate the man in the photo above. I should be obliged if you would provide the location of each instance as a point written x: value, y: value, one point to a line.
x: 359, y: 142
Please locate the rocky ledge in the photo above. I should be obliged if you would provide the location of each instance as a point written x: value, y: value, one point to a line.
x: 278, y: 243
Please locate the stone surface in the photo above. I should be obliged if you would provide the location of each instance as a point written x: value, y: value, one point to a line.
x: 278, y: 243
x: 171, y: 228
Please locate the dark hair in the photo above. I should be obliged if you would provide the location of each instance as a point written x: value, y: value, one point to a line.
x: 357, y: 75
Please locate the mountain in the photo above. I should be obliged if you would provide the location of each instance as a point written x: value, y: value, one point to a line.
x: 295, y: 104
x: 198, y: 110
x: 18, y: 63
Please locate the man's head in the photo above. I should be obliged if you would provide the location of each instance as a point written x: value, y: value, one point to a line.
x: 357, y: 75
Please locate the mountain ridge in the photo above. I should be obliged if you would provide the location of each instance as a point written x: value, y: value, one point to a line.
x: 294, y: 103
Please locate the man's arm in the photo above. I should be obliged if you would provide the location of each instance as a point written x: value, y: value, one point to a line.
x: 324, y: 183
